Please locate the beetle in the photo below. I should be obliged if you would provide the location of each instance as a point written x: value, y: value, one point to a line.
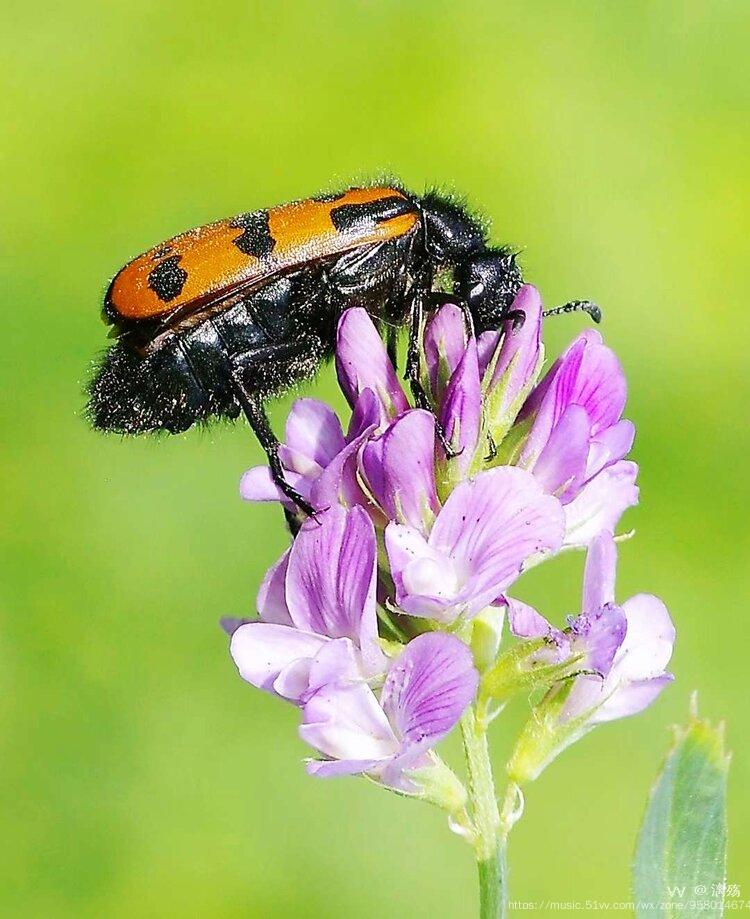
x: 217, y: 320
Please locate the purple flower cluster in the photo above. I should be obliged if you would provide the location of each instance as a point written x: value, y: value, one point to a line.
x: 425, y: 519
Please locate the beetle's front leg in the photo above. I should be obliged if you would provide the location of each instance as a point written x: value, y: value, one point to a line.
x: 413, y: 369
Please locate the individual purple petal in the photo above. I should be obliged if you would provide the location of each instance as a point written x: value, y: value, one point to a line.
x: 562, y: 463
x: 313, y: 437
x: 230, y: 624
x: 330, y: 582
x: 520, y: 349
x: 599, y: 635
x: 609, y: 447
x: 492, y: 524
x: 588, y: 374
x: 363, y: 363
x: 651, y: 635
x: 257, y: 484
x: 399, y: 468
x: 631, y: 698
x: 271, y: 600
x: 427, y: 583
x: 599, y: 573
x: 333, y: 768
x: 525, y: 621
x: 601, y: 503
x: 262, y: 651
x: 338, y: 482
x: 366, y: 414
x: 336, y: 661
x: 487, y: 529
x: 344, y: 721
x: 444, y: 345
x: 428, y: 687
x: 461, y: 411
x: 487, y: 345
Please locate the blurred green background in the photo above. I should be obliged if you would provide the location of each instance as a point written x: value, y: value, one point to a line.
x: 138, y: 775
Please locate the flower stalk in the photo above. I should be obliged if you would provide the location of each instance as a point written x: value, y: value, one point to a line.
x: 489, y: 842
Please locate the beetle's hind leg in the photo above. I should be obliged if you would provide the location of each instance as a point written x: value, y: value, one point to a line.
x: 253, y: 408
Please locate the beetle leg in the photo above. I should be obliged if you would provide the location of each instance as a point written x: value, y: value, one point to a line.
x: 392, y: 344
x: 255, y: 412
x: 413, y: 371
x: 577, y: 306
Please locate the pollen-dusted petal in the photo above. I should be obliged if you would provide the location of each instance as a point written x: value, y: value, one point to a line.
x: 330, y: 582
x: 428, y: 687
x: 599, y: 634
x: 362, y: 362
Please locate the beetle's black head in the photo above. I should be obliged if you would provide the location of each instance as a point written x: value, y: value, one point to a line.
x: 451, y: 233
x: 488, y: 282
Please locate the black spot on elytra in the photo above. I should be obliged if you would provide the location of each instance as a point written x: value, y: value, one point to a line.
x: 167, y: 279
x: 352, y: 218
x: 256, y: 240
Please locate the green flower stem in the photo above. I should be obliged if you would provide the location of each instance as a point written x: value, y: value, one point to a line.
x: 489, y: 843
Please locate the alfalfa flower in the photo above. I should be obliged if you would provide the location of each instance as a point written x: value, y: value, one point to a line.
x: 483, y: 535
x: 378, y: 621
x: 575, y: 438
x: 428, y: 687
x: 620, y: 653
x: 319, y: 599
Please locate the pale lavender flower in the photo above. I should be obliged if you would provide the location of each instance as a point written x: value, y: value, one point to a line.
x: 425, y: 692
x: 484, y: 534
x: 629, y: 646
x: 620, y: 653
x: 319, y: 599
x: 576, y: 433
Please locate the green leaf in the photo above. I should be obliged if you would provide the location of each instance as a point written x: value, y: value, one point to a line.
x: 680, y: 857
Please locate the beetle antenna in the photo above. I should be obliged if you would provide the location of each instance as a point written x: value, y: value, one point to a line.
x: 577, y: 306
